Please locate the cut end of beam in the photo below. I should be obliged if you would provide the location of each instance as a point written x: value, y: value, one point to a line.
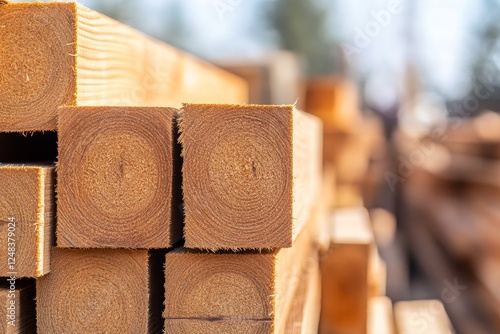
x: 218, y: 286
x: 91, y: 291
x: 35, y: 62
x: 115, y: 178
x: 237, y: 175
x: 250, y: 174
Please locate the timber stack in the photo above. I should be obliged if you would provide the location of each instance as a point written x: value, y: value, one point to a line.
x: 109, y: 138
x: 450, y: 183
x: 142, y: 194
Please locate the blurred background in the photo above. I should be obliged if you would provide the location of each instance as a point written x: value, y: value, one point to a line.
x: 409, y: 92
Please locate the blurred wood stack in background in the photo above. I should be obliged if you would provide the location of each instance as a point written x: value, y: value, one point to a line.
x: 354, y: 145
x: 276, y: 78
x: 450, y: 183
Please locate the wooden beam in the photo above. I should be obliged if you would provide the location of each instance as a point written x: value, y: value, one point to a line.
x: 118, y: 184
x: 380, y: 316
x: 96, y: 291
x: 422, y: 316
x: 335, y: 101
x: 56, y: 54
x: 17, y: 300
x: 251, y: 174
x: 245, y: 290
x: 201, y: 326
x: 26, y: 219
x: 345, y: 273
x: 303, y: 317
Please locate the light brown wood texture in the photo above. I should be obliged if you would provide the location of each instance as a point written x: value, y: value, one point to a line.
x: 251, y: 287
x: 117, y: 181
x: 26, y: 219
x: 380, y: 316
x: 251, y: 174
x: 345, y: 273
x: 422, y: 316
x: 335, y: 101
x: 95, y: 291
x: 56, y: 54
x: 17, y: 301
x: 216, y: 326
x: 303, y: 317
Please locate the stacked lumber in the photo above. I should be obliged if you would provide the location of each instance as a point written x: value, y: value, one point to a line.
x: 450, y: 190
x: 353, y: 144
x: 179, y: 208
x: 352, y: 276
x: 251, y: 187
x: 100, y: 267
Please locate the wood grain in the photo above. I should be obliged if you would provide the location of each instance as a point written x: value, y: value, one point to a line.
x: 422, y: 316
x: 303, y: 317
x: 117, y: 178
x: 199, y: 326
x: 224, y: 288
x: 95, y: 291
x: 26, y: 219
x: 344, y: 273
x: 58, y: 54
x: 251, y: 174
x: 18, y: 303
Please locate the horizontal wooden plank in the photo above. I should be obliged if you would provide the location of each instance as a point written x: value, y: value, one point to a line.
x: 60, y: 54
